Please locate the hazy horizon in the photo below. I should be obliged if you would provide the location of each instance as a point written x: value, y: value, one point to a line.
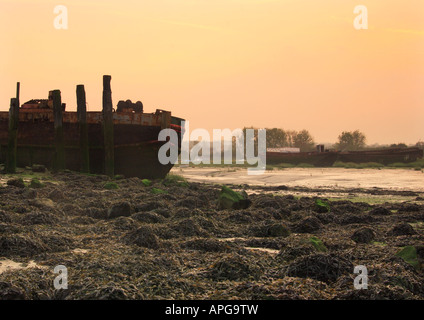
x: 229, y: 63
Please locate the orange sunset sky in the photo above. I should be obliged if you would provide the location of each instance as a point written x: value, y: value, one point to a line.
x: 292, y: 64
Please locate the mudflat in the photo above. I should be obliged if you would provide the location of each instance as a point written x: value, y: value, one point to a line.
x: 394, y: 179
x: 128, y: 238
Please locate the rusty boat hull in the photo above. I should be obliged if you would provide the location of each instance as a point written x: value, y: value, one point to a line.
x: 383, y: 156
x: 328, y: 158
x: 317, y: 159
x: 136, y: 142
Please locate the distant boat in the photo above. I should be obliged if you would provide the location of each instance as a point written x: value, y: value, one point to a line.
x: 325, y: 158
x: 319, y: 158
x: 383, y: 156
x: 135, y: 138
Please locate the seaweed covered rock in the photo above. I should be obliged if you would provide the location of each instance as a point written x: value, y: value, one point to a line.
x: 356, y: 219
x: 149, y: 206
x: 96, y: 213
x: 230, y: 199
x: 409, y: 207
x: 322, y: 267
x: 363, y: 235
x: 5, y: 217
x: 291, y: 252
x: 56, y: 195
x: 36, y: 217
x: 16, y: 182
x: 113, y: 291
x: 8, y: 291
x: 321, y: 206
x: 207, y: 245
x: 380, y: 211
x: 30, y: 194
x: 317, y: 244
x: 342, y: 207
x: 122, y: 209
x: 35, y: 183
x: 189, y: 202
x: 234, y: 268
x: 20, y: 245
x: 402, y: 229
x: 269, y: 229
x: 410, y: 256
x: 189, y: 228
x: 143, y: 237
x: 267, y: 201
x: 148, y: 217
x: 308, y: 225
x: 124, y: 224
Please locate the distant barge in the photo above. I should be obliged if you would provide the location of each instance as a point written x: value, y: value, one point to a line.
x: 383, y: 156
x: 325, y: 158
x: 135, y: 138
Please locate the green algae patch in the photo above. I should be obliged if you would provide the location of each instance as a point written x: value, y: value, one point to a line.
x: 157, y: 191
x: 378, y: 243
x: 35, y: 183
x: 110, y: 186
x: 409, y: 255
x: 321, y: 206
x: 174, y: 179
x: 230, y: 199
x: 317, y: 243
x: 146, y: 182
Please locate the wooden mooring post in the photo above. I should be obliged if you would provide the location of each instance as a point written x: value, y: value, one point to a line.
x: 18, y: 89
x: 108, y: 127
x: 59, y: 160
x: 12, y: 136
x: 83, y: 129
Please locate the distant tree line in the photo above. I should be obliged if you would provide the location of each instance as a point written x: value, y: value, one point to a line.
x: 351, y: 141
x: 346, y: 141
x: 280, y: 138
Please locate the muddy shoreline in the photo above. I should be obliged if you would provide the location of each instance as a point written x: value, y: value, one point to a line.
x: 329, y: 178
x: 125, y: 239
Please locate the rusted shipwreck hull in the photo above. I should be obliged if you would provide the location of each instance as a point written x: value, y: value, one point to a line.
x: 383, y: 156
x: 135, y: 135
x: 317, y: 159
x: 328, y: 158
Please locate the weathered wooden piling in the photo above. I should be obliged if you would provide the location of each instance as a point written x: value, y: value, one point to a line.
x: 18, y: 89
x: 12, y: 136
x: 83, y: 129
x: 108, y: 127
x: 59, y: 161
